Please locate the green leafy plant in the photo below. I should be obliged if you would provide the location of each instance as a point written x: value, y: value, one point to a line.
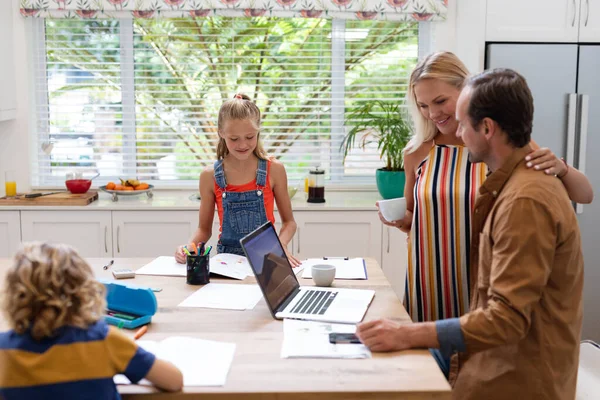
x: 382, y: 123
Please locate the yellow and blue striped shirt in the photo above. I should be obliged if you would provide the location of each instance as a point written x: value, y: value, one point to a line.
x: 75, y: 363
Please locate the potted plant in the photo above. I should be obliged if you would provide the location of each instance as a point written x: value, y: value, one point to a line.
x: 382, y: 123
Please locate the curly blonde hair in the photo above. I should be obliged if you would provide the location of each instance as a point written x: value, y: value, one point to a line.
x: 50, y: 286
x: 445, y: 66
x: 240, y: 107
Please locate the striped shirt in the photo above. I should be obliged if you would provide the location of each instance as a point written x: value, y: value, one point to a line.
x: 446, y: 185
x: 74, y: 364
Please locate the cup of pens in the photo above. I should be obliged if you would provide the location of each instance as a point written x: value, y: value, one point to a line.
x: 198, y: 264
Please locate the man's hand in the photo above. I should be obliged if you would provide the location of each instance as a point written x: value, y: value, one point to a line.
x: 382, y: 335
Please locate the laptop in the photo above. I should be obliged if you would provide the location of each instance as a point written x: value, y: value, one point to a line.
x: 284, y: 295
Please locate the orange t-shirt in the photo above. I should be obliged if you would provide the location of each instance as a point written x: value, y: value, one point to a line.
x: 268, y: 196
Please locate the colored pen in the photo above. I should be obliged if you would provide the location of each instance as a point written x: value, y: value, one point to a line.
x: 207, y: 251
x: 185, y: 250
x: 140, y: 332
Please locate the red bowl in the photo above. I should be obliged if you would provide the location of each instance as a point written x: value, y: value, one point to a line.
x: 78, y: 186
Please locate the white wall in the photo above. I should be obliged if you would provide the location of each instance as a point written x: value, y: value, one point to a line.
x: 14, y: 134
x: 461, y: 34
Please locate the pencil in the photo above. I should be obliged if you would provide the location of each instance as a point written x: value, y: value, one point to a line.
x: 140, y: 332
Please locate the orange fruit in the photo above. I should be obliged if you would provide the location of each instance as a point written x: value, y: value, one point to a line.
x: 142, y: 186
x: 127, y: 188
x: 110, y: 186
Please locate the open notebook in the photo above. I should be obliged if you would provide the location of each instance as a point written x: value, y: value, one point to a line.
x: 202, y: 362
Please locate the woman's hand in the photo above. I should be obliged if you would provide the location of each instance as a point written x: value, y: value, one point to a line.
x: 543, y: 159
x: 398, y: 223
x: 180, y: 255
x: 293, y: 260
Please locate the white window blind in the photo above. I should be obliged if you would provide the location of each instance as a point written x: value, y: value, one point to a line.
x: 140, y: 98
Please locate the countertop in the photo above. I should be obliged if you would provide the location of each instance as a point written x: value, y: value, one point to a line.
x: 182, y: 200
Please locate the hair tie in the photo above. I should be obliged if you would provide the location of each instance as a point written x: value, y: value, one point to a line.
x: 238, y: 96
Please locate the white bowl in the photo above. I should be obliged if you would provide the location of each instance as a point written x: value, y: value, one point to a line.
x: 323, y: 274
x: 392, y: 209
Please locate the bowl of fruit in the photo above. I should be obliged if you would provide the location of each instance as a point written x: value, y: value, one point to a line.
x: 127, y: 187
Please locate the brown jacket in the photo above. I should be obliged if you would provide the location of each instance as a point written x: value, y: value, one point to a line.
x: 522, y: 334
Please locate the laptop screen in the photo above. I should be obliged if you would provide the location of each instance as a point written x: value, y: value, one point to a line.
x: 270, y: 265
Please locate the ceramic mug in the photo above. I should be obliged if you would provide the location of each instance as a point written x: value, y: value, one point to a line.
x: 323, y: 274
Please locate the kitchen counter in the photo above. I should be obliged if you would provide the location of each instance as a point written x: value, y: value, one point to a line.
x: 186, y: 201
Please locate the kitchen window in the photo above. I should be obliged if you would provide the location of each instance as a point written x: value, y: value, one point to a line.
x: 139, y: 98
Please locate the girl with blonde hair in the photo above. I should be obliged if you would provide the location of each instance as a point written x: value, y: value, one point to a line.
x: 441, y: 187
x: 59, y: 346
x: 243, y: 184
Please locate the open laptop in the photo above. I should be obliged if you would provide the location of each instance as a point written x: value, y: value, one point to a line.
x: 284, y: 295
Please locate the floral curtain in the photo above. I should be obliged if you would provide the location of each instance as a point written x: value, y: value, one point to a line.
x: 396, y: 10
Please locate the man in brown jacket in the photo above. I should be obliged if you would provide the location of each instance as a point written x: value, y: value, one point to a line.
x: 521, y: 338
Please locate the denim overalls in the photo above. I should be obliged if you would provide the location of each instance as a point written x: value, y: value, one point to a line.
x: 243, y: 212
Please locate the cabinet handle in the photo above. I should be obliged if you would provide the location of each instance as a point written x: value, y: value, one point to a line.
x: 574, y: 12
x: 584, y: 105
x: 118, y: 231
x: 388, y: 242
x: 571, y: 128
x: 587, y: 11
x: 298, y: 229
x: 105, y: 234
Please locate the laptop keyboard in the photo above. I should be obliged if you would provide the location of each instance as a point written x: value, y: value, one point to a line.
x: 314, y: 302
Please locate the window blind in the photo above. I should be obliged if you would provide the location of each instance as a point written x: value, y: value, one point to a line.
x: 140, y: 98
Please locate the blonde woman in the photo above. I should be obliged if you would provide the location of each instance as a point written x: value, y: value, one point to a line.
x: 441, y: 186
x: 59, y: 346
x: 243, y: 184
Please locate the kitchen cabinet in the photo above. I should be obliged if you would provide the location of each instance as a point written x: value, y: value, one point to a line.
x: 394, y: 258
x: 8, y: 99
x: 543, y: 21
x: 10, y: 233
x: 88, y: 231
x: 151, y: 233
x: 338, y: 234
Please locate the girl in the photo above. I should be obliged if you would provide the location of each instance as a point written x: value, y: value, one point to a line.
x: 441, y: 187
x: 59, y: 346
x: 244, y: 184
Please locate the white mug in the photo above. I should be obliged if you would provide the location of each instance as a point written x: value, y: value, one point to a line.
x: 323, y: 274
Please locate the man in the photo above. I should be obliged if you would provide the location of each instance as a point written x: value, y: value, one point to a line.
x: 521, y: 338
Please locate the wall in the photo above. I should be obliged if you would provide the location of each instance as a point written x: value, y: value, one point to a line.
x: 14, y: 134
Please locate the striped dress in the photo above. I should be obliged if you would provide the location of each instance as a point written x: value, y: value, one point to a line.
x: 437, y: 284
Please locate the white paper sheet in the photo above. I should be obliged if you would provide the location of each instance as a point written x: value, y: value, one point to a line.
x: 165, y: 266
x: 202, y: 362
x: 224, y: 296
x: 353, y: 268
x: 230, y: 265
x: 310, y: 339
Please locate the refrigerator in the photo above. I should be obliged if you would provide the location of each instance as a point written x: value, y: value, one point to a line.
x: 565, y: 83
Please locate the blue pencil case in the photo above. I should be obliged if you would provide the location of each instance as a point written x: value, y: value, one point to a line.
x: 129, y: 306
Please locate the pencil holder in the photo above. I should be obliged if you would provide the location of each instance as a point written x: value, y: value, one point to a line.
x: 198, y: 269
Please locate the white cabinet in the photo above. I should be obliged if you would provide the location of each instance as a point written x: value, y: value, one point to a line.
x: 534, y: 20
x: 589, y: 22
x: 88, y: 231
x: 151, y: 233
x: 8, y: 102
x: 394, y: 258
x: 10, y: 233
x: 338, y: 234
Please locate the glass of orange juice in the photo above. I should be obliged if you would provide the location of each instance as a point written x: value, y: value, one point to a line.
x: 10, y: 183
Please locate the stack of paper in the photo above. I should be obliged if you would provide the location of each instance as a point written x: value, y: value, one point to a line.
x: 310, y: 339
x: 353, y: 268
x: 228, y: 265
x: 202, y: 362
x: 224, y: 296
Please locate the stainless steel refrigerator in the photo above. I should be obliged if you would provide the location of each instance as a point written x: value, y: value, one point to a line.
x: 565, y: 82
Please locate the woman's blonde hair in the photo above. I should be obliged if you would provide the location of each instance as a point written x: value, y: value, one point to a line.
x: 444, y: 66
x: 240, y: 107
x: 50, y: 286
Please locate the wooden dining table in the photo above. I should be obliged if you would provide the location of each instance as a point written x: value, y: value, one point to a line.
x: 257, y: 370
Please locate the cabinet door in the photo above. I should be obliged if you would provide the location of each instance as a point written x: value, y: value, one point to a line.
x: 394, y: 259
x: 151, y: 233
x: 532, y: 20
x: 88, y: 231
x: 589, y: 22
x: 8, y: 103
x: 338, y: 234
x: 10, y: 233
